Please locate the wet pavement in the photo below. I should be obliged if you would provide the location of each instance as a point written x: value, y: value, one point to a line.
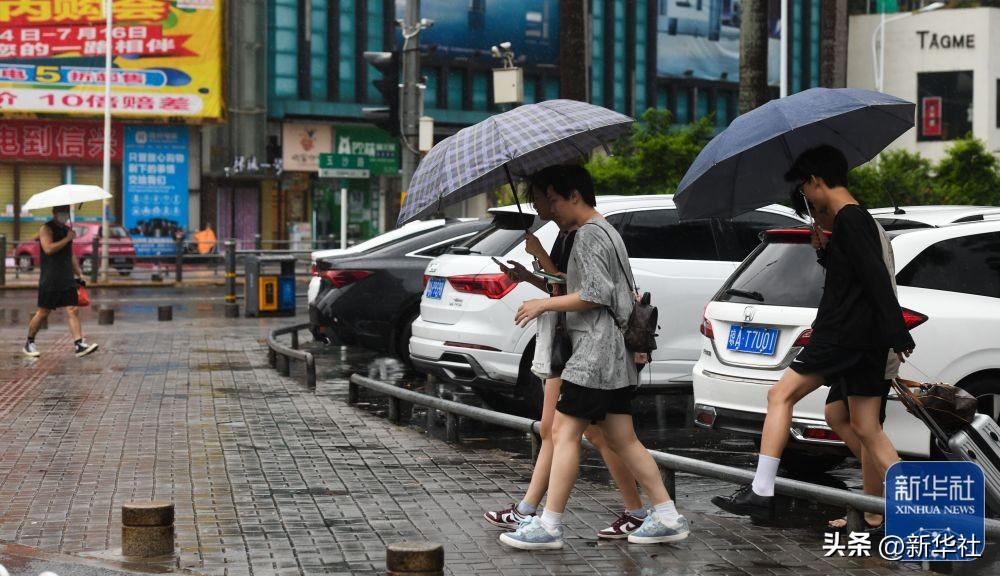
x: 270, y: 478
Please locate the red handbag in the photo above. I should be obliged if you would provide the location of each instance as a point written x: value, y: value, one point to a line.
x: 82, y: 297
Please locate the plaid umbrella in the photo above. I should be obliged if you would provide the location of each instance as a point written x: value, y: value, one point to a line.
x: 511, y: 145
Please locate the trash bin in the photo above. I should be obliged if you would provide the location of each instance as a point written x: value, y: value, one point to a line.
x: 269, y: 286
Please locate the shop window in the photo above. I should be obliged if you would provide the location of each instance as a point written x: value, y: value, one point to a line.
x: 944, y: 105
x: 480, y: 84
x: 702, y: 104
x: 455, y: 81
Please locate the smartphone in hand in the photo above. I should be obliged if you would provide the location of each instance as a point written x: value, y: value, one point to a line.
x: 502, y: 266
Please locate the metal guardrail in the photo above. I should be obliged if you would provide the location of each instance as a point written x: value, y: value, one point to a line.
x: 280, y: 356
x: 855, y: 502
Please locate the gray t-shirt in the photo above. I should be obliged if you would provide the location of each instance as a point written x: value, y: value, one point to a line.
x: 599, y: 358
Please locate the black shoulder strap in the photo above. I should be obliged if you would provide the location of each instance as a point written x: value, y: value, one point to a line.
x: 619, y: 256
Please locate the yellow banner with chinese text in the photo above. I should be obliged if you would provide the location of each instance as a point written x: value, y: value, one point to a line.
x: 167, y: 58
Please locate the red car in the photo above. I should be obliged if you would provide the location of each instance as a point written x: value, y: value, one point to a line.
x: 120, y: 250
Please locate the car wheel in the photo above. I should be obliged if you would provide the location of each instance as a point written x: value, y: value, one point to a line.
x: 804, y: 462
x: 401, y: 347
x: 986, y: 388
x: 87, y: 265
x: 25, y: 262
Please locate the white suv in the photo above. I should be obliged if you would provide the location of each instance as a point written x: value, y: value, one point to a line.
x: 466, y: 333
x: 949, y: 288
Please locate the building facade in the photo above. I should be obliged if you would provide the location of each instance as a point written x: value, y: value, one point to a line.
x: 637, y: 54
x: 947, y: 63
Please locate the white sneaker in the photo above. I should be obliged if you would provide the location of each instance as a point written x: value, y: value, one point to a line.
x: 31, y: 350
x: 82, y: 349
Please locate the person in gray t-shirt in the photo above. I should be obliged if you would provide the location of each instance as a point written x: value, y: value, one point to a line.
x: 599, y: 378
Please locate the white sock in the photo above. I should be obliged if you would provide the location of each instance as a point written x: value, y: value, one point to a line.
x: 767, y: 471
x: 551, y: 520
x: 638, y: 512
x: 666, y: 512
x: 525, y: 508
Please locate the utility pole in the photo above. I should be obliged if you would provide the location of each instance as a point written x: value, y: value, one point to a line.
x: 411, y: 108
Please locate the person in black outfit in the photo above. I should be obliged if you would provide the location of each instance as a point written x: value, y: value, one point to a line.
x: 57, y: 287
x: 858, y: 321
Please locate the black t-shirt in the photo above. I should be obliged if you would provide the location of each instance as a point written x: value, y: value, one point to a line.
x: 858, y: 308
x: 57, y: 269
x: 561, y: 249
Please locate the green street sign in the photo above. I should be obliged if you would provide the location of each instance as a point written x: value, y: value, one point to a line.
x: 343, y: 166
x: 381, y: 149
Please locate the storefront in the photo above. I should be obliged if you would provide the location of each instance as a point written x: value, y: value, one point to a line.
x: 947, y: 62
x: 36, y: 155
x: 370, y: 201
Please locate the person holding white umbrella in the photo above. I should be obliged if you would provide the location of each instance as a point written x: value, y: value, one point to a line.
x: 60, y: 272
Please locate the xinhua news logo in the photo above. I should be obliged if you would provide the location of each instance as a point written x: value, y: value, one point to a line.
x: 934, y: 512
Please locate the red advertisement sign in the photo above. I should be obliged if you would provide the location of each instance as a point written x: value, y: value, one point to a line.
x: 48, y: 41
x: 62, y: 141
x: 28, y: 12
x: 930, y: 116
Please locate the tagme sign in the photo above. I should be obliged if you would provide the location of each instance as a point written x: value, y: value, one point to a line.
x: 343, y: 166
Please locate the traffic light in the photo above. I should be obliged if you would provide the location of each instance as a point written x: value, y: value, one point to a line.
x: 385, y: 117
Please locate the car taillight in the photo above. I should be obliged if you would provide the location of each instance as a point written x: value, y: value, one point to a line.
x: 706, y: 326
x: 493, y: 286
x: 803, y: 338
x: 913, y: 319
x: 426, y: 279
x: 341, y: 278
x: 820, y: 434
x: 313, y: 270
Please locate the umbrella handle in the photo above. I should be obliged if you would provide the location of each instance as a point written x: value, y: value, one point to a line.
x: 513, y: 188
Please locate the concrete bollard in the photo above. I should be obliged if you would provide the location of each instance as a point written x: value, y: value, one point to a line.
x: 232, y: 310
x: 283, y: 365
x: 165, y: 313
x: 414, y: 558
x: 670, y: 482
x: 147, y: 529
x: 106, y: 316
x: 353, y: 393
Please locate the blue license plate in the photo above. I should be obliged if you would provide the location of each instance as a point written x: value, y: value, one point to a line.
x: 435, y: 286
x: 752, y: 340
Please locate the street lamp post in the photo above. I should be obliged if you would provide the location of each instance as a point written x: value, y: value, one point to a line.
x: 878, y: 39
x: 106, y: 180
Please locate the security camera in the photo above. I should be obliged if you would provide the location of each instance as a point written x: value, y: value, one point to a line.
x: 426, y: 22
x: 505, y: 45
x: 495, y: 52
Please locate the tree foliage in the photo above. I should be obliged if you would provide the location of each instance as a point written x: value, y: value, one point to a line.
x: 653, y: 158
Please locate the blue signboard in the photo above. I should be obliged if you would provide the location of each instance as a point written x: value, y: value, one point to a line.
x: 469, y: 28
x: 934, y: 511
x: 702, y: 39
x: 155, y: 187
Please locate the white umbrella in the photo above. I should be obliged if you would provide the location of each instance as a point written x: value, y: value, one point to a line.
x: 65, y: 195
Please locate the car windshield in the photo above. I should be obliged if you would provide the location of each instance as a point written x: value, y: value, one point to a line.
x: 782, y: 271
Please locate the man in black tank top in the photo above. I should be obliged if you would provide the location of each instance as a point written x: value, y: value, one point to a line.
x: 57, y: 285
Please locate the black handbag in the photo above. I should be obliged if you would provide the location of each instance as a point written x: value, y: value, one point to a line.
x: 562, y: 346
x: 640, y: 330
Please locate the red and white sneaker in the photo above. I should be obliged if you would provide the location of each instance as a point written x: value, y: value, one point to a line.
x: 509, y: 517
x: 621, y: 528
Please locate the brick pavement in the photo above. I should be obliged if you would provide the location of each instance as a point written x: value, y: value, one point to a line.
x: 269, y: 478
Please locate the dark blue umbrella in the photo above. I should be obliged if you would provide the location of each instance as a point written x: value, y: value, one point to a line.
x: 507, y: 146
x: 743, y: 167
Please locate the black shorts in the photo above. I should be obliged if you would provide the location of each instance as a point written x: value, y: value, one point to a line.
x: 593, y: 404
x: 836, y: 394
x: 859, y: 371
x: 52, y: 299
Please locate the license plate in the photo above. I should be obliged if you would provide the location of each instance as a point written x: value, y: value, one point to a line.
x: 119, y: 260
x: 435, y: 287
x: 752, y: 340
